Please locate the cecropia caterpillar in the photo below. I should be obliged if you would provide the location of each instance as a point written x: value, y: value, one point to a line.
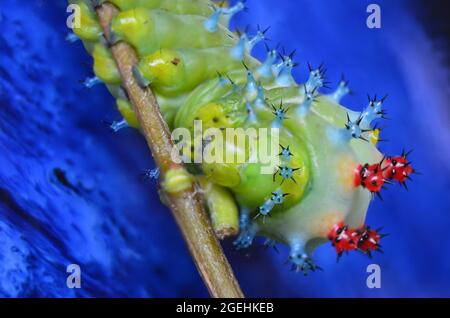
x: 326, y: 166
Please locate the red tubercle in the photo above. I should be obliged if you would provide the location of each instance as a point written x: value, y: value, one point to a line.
x: 368, y: 239
x: 345, y: 239
x: 370, y: 177
x: 358, y: 179
x: 397, y: 168
x: 342, y: 238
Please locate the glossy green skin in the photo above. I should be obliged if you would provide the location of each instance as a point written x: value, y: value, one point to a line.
x: 150, y: 30
x: 197, y: 7
x: 187, y: 68
x: 324, y: 193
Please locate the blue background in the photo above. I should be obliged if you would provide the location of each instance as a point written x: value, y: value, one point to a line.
x: 70, y: 190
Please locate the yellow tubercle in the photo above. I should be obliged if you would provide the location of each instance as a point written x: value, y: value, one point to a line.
x: 374, y: 136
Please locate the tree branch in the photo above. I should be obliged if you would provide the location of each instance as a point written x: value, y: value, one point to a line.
x: 186, y: 206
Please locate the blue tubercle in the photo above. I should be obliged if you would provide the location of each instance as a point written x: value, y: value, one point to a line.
x: 280, y: 116
x: 212, y: 23
x: 251, y: 88
x: 238, y: 7
x: 239, y: 50
x: 285, y: 78
x: 247, y: 233
x: 276, y: 68
x: 316, y: 78
x: 118, y: 125
x: 72, y: 37
x: 265, y: 70
x: 308, y: 99
x: 278, y: 196
x: 354, y: 128
x: 244, y: 218
x: 285, y: 153
x: 341, y: 136
x: 152, y: 174
x: 373, y: 111
x: 266, y: 207
x: 90, y: 82
x: 300, y: 260
x: 246, y: 237
x: 285, y: 173
x: 260, y: 36
x: 245, y: 44
x: 283, y: 71
x: 341, y: 91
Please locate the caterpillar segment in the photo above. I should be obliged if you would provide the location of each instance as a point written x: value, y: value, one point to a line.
x: 324, y: 166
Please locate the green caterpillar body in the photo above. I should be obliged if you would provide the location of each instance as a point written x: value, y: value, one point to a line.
x: 197, y: 74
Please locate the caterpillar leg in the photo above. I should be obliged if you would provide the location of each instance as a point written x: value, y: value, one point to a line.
x: 222, y: 208
x: 299, y: 258
x: 248, y: 231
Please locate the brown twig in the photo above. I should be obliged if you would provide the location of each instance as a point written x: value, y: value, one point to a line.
x: 187, y: 207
